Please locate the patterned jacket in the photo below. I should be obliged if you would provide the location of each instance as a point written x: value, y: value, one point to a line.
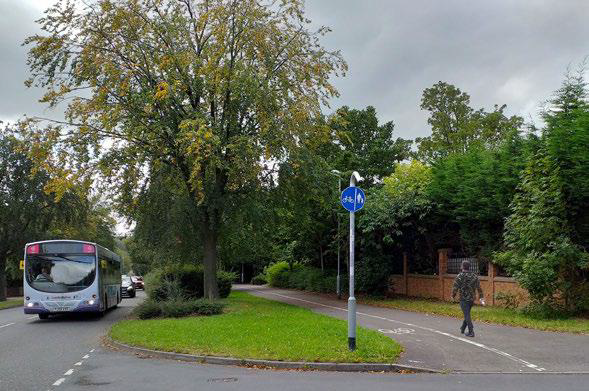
x: 466, y: 283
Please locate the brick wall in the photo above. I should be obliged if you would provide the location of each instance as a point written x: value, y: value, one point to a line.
x: 440, y: 286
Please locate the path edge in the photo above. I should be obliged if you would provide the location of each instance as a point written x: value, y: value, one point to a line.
x: 256, y: 363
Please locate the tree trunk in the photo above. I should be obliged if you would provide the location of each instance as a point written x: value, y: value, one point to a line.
x: 2, y: 278
x: 210, y: 235
x: 321, y: 255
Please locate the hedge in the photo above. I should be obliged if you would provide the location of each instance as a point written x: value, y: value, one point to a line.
x: 297, y: 276
x: 175, y: 309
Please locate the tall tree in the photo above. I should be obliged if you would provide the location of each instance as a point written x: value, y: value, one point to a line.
x: 540, y: 251
x: 364, y: 145
x: 209, y: 88
x: 27, y: 210
x: 456, y: 126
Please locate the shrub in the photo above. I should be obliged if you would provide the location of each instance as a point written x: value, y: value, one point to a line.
x: 311, y: 279
x: 224, y: 281
x: 508, y: 300
x: 184, y: 281
x: 148, y: 309
x: 545, y: 310
x: 260, y: 279
x: 177, y: 308
x: 278, y: 273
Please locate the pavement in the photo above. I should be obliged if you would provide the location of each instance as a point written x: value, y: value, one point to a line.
x: 435, y: 341
x: 67, y: 353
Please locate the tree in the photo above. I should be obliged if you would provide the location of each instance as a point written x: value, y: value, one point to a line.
x: 540, y: 252
x: 456, y: 126
x: 566, y: 136
x: 23, y: 203
x: 474, y: 189
x: 208, y: 88
x: 364, y: 145
x: 395, y: 222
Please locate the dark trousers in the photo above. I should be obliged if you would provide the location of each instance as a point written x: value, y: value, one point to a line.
x: 466, y: 305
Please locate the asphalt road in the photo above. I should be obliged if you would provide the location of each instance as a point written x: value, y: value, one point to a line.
x: 67, y: 354
x: 435, y: 342
x: 36, y: 353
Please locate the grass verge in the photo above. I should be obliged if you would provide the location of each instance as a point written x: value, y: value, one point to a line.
x: 10, y: 303
x: 484, y: 314
x: 257, y: 328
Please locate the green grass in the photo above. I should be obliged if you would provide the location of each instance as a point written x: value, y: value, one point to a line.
x: 484, y: 314
x: 10, y: 303
x: 252, y: 327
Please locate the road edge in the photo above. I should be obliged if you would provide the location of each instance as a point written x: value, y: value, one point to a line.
x: 256, y: 363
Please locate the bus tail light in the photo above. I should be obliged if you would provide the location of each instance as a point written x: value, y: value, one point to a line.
x: 89, y: 249
x: 33, y: 249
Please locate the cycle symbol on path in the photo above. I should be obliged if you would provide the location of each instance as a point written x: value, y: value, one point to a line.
x: 397, y: 331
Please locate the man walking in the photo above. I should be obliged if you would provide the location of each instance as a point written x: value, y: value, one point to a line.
x: 466, y: 283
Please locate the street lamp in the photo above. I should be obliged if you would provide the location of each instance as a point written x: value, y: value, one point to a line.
x: 338, y: 283
x: 354, y: 178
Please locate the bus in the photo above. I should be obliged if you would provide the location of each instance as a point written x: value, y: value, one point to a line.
x: 62, y: 276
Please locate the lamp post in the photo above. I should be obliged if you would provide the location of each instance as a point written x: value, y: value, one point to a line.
x: 338, y: 283
x: 354, y: 178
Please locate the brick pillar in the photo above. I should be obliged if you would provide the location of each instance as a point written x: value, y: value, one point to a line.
x: 405, y: 273
x: 443, y: 255
x: 492, y: 272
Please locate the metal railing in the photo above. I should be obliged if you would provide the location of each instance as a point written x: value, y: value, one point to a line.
x: 455, y: 265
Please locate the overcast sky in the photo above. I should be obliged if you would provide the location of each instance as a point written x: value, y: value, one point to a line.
x: 512, y: 52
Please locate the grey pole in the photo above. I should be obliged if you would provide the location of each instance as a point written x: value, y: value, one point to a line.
x: 338, y: 288
x: 352, y: 300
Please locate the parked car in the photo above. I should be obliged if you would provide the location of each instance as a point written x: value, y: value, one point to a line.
x: 127, y: 287
x: 138, y: 281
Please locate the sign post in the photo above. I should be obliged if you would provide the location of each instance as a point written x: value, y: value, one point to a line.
x: 353, y: 199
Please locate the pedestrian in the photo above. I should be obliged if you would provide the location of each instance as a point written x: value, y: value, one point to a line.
x: 467, y: 283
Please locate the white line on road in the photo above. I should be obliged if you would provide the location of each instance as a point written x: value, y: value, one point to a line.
x: 480, y: 345
x: 59, y: 381
x: 78, y: 363
x: 68, y: 372
x: 32, y: 317
x: 86, y: 356
x: 6, y: 325
x: 92, y: 351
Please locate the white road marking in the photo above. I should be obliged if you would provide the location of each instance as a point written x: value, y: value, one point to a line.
x: 69, y: 372
x: 78, y: 363
x: 480, y: 345
x: 86, y: 356
x: 92, y: 351
x: 59, y: 381
x: 32, y: 317
x: 6, y: 325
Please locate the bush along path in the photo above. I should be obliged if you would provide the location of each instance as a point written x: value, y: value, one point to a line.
x: 256, y: 328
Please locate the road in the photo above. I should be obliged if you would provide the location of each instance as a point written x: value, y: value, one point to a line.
x: 67, y: 354
x: 36, y: 353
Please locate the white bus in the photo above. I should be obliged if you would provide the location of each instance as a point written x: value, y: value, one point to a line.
x: 70, y: 276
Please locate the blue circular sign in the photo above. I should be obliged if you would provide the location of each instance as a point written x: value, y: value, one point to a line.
x: 353, y: 198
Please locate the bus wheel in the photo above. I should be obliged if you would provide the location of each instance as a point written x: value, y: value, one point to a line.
x: 43, y: 316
